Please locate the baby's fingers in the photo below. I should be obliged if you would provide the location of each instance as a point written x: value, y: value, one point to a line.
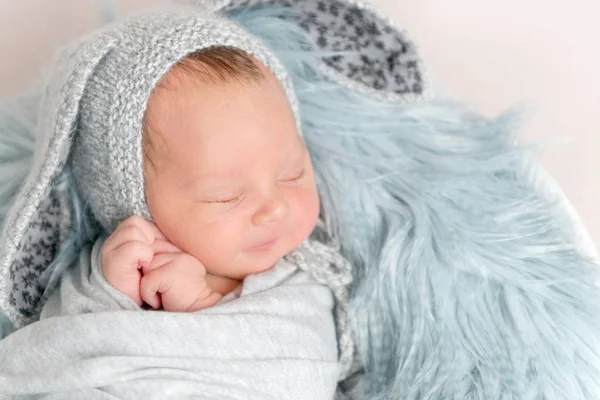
x: 128, y: 256
x: 149, y: 229
x: 158, y: 261
x: 124, y: 234
x: 207, y: 302
x: 153, y: 284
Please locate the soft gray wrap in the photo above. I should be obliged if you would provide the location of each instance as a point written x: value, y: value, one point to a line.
x: 276, y: 341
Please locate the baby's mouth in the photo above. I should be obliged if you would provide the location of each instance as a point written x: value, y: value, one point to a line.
x: 263, y: 246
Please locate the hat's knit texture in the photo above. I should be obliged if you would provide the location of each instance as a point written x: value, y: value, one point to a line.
x: 107, y: 153
x: 325, y: 263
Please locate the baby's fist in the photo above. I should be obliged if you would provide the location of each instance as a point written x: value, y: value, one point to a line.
x: 126, y: 251
x: 177, y: 280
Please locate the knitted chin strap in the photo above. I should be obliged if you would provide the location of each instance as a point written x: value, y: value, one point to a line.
x: 327, y: 266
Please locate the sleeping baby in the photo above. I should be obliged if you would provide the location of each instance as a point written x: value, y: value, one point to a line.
x: 228, y: 181
x: 189, y: 153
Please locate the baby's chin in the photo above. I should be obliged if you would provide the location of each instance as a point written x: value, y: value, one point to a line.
x: 252, y: 262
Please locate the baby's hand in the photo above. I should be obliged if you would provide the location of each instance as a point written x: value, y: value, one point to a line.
x: 126, y: 251
x: 176, y: 280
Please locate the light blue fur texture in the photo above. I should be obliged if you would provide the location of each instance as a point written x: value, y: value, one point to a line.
x: 469, y: 281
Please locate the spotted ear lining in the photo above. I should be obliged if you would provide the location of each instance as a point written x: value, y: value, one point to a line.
x: 39, y: 219
x: 376, y: 58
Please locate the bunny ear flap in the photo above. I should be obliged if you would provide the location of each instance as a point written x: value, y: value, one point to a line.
x: 363, y: 50
x: 37, y: 224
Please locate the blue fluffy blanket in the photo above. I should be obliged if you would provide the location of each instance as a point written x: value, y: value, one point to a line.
x: 472, y: 279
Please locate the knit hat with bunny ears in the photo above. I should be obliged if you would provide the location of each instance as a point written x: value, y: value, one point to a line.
x: 92, y: 111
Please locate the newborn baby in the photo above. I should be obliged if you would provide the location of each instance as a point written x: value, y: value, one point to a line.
x: 186, y: 146
x: 229, y: 184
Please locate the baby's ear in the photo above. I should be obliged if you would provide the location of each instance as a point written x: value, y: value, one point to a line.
x: 364, y: 51
x: 41, y: 218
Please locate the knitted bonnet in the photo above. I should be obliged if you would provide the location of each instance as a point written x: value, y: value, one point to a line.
x: 107, y: 152
x: 91, y: 120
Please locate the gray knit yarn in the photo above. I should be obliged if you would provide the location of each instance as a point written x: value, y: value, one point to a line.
x: 107, y: 153
x: 325, y: 263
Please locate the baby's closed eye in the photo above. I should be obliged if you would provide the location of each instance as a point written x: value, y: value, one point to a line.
x: 292, y: 177
x: 225, y: 200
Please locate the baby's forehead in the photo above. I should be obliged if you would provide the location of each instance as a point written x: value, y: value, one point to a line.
x: 190, y: 96
x: 229, y: 69
x: 188, y: 104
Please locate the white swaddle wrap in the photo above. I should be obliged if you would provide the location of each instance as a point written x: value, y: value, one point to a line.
x: 276, y: 341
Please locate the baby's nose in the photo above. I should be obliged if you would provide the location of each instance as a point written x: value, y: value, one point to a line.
x: 273, y: 210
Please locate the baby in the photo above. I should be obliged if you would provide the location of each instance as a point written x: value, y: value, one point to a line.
x: 228, y: 182
x: 187, y: 148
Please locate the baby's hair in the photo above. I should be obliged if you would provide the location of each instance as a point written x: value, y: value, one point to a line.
x: 217, y: 64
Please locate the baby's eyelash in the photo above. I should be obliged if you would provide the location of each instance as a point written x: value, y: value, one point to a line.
x: 229, y: 201
x: 300, y: 175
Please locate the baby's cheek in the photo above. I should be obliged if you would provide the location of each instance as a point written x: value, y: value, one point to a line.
x: 306, y: 213
x: 214, y: 242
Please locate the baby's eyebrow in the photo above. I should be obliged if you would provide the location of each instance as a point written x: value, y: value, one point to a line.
x: 217, y: 181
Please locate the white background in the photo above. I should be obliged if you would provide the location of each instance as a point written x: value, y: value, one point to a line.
x: 492, y: 54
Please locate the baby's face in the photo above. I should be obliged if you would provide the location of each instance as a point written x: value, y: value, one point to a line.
x: 233, y: 184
